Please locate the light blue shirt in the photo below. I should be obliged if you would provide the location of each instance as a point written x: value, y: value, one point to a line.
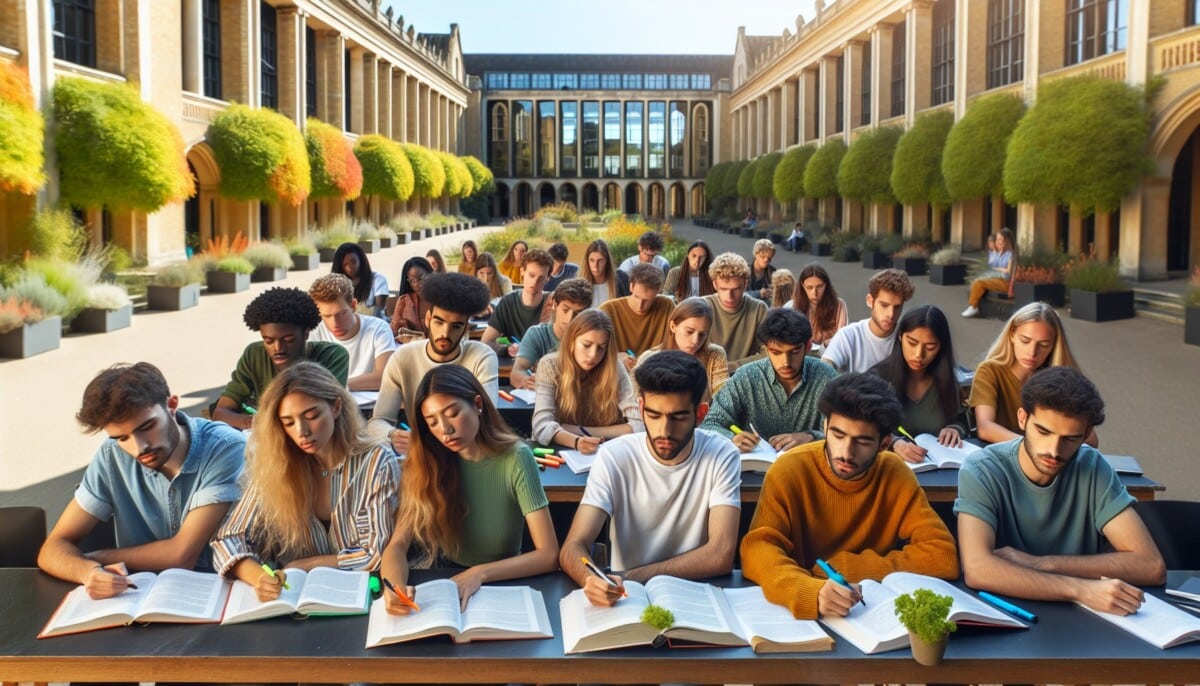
x: 145, y: 505
x: 539, y: 341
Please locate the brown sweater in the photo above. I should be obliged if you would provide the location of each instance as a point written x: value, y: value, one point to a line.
x: 639, y: 332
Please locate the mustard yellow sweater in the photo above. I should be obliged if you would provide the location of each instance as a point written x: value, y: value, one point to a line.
x: 866, y: 529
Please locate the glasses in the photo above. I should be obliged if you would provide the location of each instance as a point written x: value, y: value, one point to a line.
x: 415, y: 278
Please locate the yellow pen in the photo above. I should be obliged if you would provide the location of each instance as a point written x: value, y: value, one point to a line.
x: 735, y: 429
x: 267, y: 568
x: 905, y: 434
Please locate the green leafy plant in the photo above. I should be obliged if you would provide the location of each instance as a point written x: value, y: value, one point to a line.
x: 336, y: 172
x: 946, y: 256
x: 386, y: 232
x: 890, y: 243
x: 820, y: 175
x: 107, y: 296
x: 22, y: 130
x: 119, y: 259
x: 912, y: 250
x: 917, y: 165
x: 763, y: 186
x: 334, y: 235
x: 925, y: 613
x: 865, y: 173
x: 658, y: 617
x: 788, y: 184
x: 367, y: 231
x: 429, y: 175
x: 300, y: 247
x: 177, y: 274
x: 437, y: 219
x: 482, y: 181
x: 868, y: 243
x: 564, y: 212
x: 745, y: 179
x: 202, y: 263
x: 71, y: 279
x: 1097, y: 276
x: 387, y: 172
x: 268, y: 254
x: 54, y: 234
x: 714, y: 181
x: 262, y: 156
x: 31, y: 288
x: 973, y: 159
x: 235, y: 264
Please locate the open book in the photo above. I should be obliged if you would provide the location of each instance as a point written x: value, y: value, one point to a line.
x: 577, y: 461
x: 1156, y: 622
x: 760, y: 459
x: 703, y: 614
x: 322, y: 591
x: 874, y: 627
x: 493, y: 613
x: 178, y: 596
x: 524, y: 394
x: 938, y: 456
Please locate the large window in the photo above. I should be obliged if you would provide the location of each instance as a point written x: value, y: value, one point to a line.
x: 700, y: 137
x: 866, y: 85
x: 631, y: 81
x: 679, y: 82
x: 589, y: 81
x: 942, y: 87
x: 497, y: 80
x: 211, y: 39
x: 565, y: 82
x: 522, y: 137
x: 518, y: 81
x: 541, y: 81
x: 75, y: 31
x: 634, y: 146
x: 570, y: 138
x: 702, y: 81
x: 1193, y: 12
x: 677, y: 133
x: 591, y: 139
x: 1006, y: 42
x: 612, y: 138
x: 610, y: 81
x: 1095, y: 28
x: 899, y: 35
x: 656, y: 150
x: 269, y: 56
x: 498, y: 143
x: 547, y: 131
x: 656, y: 82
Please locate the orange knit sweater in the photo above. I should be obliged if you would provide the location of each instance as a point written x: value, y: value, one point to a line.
x: 865, y: 528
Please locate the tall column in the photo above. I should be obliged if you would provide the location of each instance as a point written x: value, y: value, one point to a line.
x: 918, y: 58
x: 964, y: 56
x: 1032, y: 54
x: 193, y: 46
x: 1143, y: 241
x: 331, y: 55
x: 1137, y: 47
x: 752, y: 129
x: 355, y: 89
x: 399, y: 105
x: 828, y: 97
x: 809, y: 116
x: 384, y: 125
x: 423, y: 105
x: 787, y: 112
x: 412, y: 110
x: 370, y: 94
x: 772, y: 117
x: 852, y: 59
x: 456, y: 146
x: 291, y: 63
x: 881, y: 73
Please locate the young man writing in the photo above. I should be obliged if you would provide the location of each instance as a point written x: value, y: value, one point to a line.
x: 640, y: 319
x: 570, y: 298
x: 562, y: 270
x: 1033, y: 512
x: 859, y: 346
x: 521, y: 309
x: 368, y: 340
x: 671, y: 494
x: 649, y: 245
x: 736, y: 316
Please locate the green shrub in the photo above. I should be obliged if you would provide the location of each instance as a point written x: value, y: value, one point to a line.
x: 714, y: 181
x: 946, y: 256
x: 865, y: 173
x: 300, y: 247
x: 177, y: 274
x: 1095, y: 276
x: 917, y: 165
x: 890, y: 243
x: 658, y: 617
x: 262, y: 156
x: 387, y: 172
x: 436, y: 219
x: 609, y: 216
x: 202, y: 263
x: 564, y: 212
x: 22, y: 131
x: 973, y: 159
x: 336, y: 172
x: 32, y: 288
x: 268, y: 254
x: 820, y: 174
x: 366, y: 231
x: 729, y: 188
x: 71, y: 279
x: 54, y: 234
x: 428, y: 174
x: 386, y: 232
x: 235, y: 264
x: 788, y: 183
x: 745, y: 179
x: 119, y: 259
x: 107, y: 296
x: 409, y: 221
x: 925, y: 613
x: 482, y: 182
x: 764, y: 175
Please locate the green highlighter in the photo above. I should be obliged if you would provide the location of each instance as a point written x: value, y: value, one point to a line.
x: 543, y: 451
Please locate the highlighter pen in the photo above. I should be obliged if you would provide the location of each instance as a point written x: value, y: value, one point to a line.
x: 248, y: 410
x: 514, y: 339
x: 543, y: 451
x: 735, y: 429
x: 403, y: 597
x: 1007, y: 607
x: 838, y: 579
x: 905, y: 434
x: 506, y: 396
x: 267, y: 568
x: 629, y: 352
x: 404, y: 426
x: 591, y: 567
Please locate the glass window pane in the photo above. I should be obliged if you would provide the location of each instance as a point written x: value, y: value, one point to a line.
x: 678, y: 134
x: 656, y: 140
x: 547, y: 132
x: 591, y: 138
x: 633, y: 139
x: 589, y: 81
x: 612, y: 138
x: 570, y: 138
x: 518, y: 80
x: 522, y: 136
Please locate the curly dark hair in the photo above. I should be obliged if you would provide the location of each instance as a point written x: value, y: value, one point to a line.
x: 116, y: 393
x: 282, y: 306
x: 1064, y: 390
x: 786, y: 326
x: 672, y: 371
x: 454, y: 292
x: 862, y: 396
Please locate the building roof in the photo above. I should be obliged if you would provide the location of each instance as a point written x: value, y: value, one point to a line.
x: 720, y: 66
x: 436, y: 41
x: 756, y: 46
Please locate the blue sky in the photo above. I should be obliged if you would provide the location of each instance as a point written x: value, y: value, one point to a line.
x: 603, y: 26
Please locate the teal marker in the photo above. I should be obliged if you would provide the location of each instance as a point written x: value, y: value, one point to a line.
x: 248, y: 410
x: 404, y: 426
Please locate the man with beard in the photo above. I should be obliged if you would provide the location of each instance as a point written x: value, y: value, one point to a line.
x: 671, y: 494
x: 843, y: 501
x: 1034, y: 512
x: 164, y: 479
x: 284, y: 317
x: 452, y: 299
x: 859, y: 346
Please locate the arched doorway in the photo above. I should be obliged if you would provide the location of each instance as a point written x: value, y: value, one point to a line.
x: 612, y: 197
x: 503, y: 207
x: 1183, y: 224
x: 545, y: 195
x: 698, y: 200
x: 568, y: 195
x: 656, y: 207
x: 678, y: 201
x: 202, y: 212
x: 591, y: 198
x: 524, y: 199
x: 633, y: 199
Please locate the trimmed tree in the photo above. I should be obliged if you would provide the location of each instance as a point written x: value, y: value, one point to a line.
x: 1083, y: 144
x: 261, y: 154
x: 22, y: 131
x: 820, y: 174
x: 917, y: 165
x: 865, y: 173
x: 116, y: 151
x: 788, y: 184
x: 385, y: 168
x: 428, y: 173
x: 714, y: 181
x: 973, y: 159
x: 764, y: 175
x: 336, y: 172
x: 745, y: 180
x: 482, y: 181
x: 729, y: 188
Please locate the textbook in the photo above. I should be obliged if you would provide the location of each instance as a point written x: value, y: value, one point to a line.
x: 493, y: 613
x: 526, y: 395
x: 1189, y: 589
x: 1156, y: 622
x: 1124, y: 464
x: 704, y: 614
x: 938, y: 456
x: 577, y: 461
x: 322, y: 591
x: 874, y: 627
x: 177, y: 596
x: 760, y: 459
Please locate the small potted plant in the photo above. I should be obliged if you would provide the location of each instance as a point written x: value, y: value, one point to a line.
x: 303, y: 254
x: 328, y: 240
x: 175, y: 286
x: 912, y: 259
x: 230, y: 275
x: 1038, y: 278
x: 1191, y: 309
x: 877, y: 250
x: 29, y: 323
x: 1098, y: 292
x: 387, y: 236
x: 820, y: 243
x: 270, y: 260
x: 925, y: 614
x: 845, y: 246
x: 946, y: 267
x: 108, y: 309
x: 368, y: 237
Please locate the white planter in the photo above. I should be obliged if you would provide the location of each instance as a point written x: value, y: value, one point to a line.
x: 95, y: 320
x: 173, y: 297
x: 32, y: 339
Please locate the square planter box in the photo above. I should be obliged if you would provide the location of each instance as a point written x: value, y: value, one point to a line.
x: 1053, y: 294
x: 371, y: 246
x: 385, y: 242
x: 820, y: 249
x: 746, y: 232
x: 172, y: 297
x: 95, y: 320
x: 874, y: 259
x: 1101, y: 307
x: 427, y: 233
x: 227, y: 282
x: 262, y: 274
x: 32, y: 339
x: 845, y: 255
x: 402, y: 238
x: 948, y: 274
x: 913, y: 266
x: 1191, y: 325
x: 327, y: 254
x: 303, y: 263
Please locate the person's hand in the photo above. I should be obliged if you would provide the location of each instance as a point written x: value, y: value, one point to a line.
x: 911, y: 452
x: 468, y: 582
x: 393, y: 604
x: 746, y: 441
x: 512, y: 350
x: 1019, y: 557
x: 950, y: 437
x: 530, y: 382
x: 629, y: 362
x: 268, y: 587
x: 835, y: 600
x: 106, y: 581
x: 1110, y: 595
x: 765, y: 294
x: 602, y: 594
x: 782, y: 442
x: 399, y: 439
x: 588, y: 444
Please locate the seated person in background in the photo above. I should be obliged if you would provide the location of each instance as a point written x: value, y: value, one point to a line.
x: 736, y: 316
x: 688, y: 332
x: 846, y: 501
x: 562, y: 269
x: 796, y: 241
x: 815, y: 296
x: 777, y: 395
x: 165, y: 479
x: 1031, y: 340
x: 470, y: 489
x: 318, y: 492
x: 452, y: 299
x: 607, y: 281
x: 408, y: 319
x: 570, y: 298
x: 510, y: 266
x: 1001, y: 263
x: 1034, y: 512
x: 859, y: 346
x: 750, y: 220
x: 691, y: 278
x: 487, y: 272
x: 368, y: 340
x: 783, y: 286
x: 921, y: 371
x: 519, y: 310
x: 583, y: 394
x: 469, y: 253
x: 370, y: 287
x: 436, y: 261
x: 761, y: 270
x: 284, y: 317
x: 649, y: 245
x: 671, y: 494
x: 640, y: 318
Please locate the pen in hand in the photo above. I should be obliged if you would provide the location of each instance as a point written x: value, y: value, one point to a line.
x: 271, y: 572
x: 402, y: 596
x: 591, y: 567
x: 838, y: 579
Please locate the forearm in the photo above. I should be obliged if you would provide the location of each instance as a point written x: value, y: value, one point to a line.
x: 310, y: 563
x: 994, y: 433
x: 237, y: 420
x: 570, y: 559
x: 566, y: 438
x: 154, y: 556
x: 1131, y: 567
x: 394, y: 566
x: 63, y: 559
x: 532, y: 563
x: 993, y: 573
x: 610, y: 431
x: 714, y: 558
x: 247, y: 569
x: 365, y: 382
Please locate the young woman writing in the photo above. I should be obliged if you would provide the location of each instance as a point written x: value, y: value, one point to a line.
x: 436, y: 260
x: 606, y: 280
x: 370, y: 287
x: 689, y: 324
x: 510, y: 266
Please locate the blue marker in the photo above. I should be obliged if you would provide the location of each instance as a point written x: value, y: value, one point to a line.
x: 837, y: 578
x: 1008, y: 607
x: 515, y: 339
x: 404, y: 426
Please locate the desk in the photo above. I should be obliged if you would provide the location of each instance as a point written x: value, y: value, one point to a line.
x: 1068, y: 646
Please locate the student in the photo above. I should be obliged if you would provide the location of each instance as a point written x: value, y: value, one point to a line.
x: 469, y: 253
x: 452, y: 299
x: 921, y: 372
x: 510, y: 266
x: 164, y: 479
x: 859, y: 346
x: 1037, y: 513
x: 796, y: 241
x: 649, y: 245
x: 640, y: 318
x: 736, y: 316
x: 318, y: 492
x: 370, y: 287
x: 761, y: 270
x: 670, y: 495
x: 691, y: 278
x: 687, y: 331
x: 816, y: 297
x: 750, y: 220
x: 562, y: 269
x: 777, y: 395
x: 519, y: 310
x: 783, y: 288
x: 583, y: 394
x: 368, y: 341
x: 436, y: 261
x: 487, y: 272
x: 284, y: 317
x: 607, y: 281
x: 570, y: 298
x: 1001, y: 262
x: 846, y: 501
x: 470, y: 489
x: 408, y: 319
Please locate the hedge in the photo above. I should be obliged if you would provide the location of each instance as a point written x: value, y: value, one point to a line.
x: 458, y: 179
x: 744, y: 187
x: 428, y: 173
x: 865, y: 173
x: 917, y: 165
x: 764, y: 175
x: 336, y: 172
x: 482, y: 181
x: 729, y: 187
x: 261, y: 154
x: 714, y: 180
x: 788, y: 183
x: 22, y: 131
x: 820, y: 175
x: 973, y: 160
x: 385, y: 168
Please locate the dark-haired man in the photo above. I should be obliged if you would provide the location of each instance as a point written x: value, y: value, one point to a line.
x: 284, y: 317
x: 164, y: 479
x: 845, y: 501
x: 1033, y: 512
x: 570, y: 298
x: 452, y: 299
x: 649, y: 245
x: 671, y: 494
x: 562, y: 269
x: 640, y: 319
x: 522, y: 308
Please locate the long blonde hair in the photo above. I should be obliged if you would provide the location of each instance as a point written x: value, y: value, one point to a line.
x: 279, y: 474
x: 486, y: 261
x: 1060, y: 355
x: 588, y: 398
x: 783, y: 284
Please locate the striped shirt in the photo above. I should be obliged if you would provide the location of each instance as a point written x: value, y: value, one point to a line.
x: 363, y: 496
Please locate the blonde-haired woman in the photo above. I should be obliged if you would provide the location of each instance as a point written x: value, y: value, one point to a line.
x: 584, y: 394
x: 470, y: 489
x: 783, y: 285
x: 688, y: 331
x: 317, y: 492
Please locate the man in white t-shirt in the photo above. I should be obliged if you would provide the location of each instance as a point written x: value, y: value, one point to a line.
x: 859, y: 346
x: 368, y: 340
x: 649, y: 245
x: 671, y: 494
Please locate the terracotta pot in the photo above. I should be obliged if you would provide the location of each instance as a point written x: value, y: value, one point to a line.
x: 928, y: 654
